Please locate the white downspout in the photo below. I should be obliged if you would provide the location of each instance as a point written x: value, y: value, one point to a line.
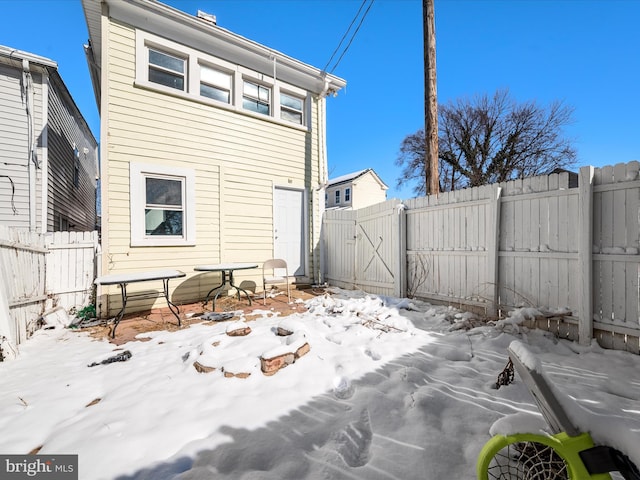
x: 44, y: 181
x: 274, y: 68
x: 322, y: 175
x: 32, y: 159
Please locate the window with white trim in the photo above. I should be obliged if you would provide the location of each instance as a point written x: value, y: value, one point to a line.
x: 167, y: 69
x: 166, y: 66
x: 162, y: 205
x: 215, y: 84
x: 337, y: 197
x: 347, y: 194
x: 256, y: 97
x: 291, y: 108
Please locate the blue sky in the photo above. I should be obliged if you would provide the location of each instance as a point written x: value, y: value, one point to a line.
x: 583, y: 52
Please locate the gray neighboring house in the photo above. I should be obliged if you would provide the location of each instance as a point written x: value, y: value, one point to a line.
x: 48, y: 155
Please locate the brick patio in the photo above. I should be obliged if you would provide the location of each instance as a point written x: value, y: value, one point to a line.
x: 162, y: 318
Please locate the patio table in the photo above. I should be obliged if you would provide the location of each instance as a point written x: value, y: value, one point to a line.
x: 227, y: 270
x: 123, y: 279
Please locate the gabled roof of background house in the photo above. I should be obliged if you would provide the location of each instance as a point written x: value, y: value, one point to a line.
x: 350, y: 177
x: 19, y: 55
x: 205, y: 35
x: 15, y: 57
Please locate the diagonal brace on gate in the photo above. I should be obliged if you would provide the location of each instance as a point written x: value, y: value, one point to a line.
x: 376, y: 253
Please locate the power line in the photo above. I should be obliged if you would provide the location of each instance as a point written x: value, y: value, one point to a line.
x: 345, y: 34
x: 352, y: 36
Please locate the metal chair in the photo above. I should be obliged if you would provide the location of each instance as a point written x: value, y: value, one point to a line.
x: 271, y: 277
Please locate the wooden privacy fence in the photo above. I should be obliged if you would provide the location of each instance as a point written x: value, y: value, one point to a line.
x: 572, y: 252
x: 40, y: 272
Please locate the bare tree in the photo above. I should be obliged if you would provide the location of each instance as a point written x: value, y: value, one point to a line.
x: 491, y: 139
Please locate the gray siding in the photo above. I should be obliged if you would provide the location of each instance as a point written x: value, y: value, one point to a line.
x: 14, y: 174
x: 14, y: 186
x: 71, y: 204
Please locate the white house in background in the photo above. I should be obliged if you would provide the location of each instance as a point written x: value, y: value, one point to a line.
x: 48, y: 155
x: 355, y: 190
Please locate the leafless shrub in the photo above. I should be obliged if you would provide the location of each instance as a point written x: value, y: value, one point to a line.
x: 418, y: 270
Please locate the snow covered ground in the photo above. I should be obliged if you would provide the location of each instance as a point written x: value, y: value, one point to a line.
x: 390, y: 389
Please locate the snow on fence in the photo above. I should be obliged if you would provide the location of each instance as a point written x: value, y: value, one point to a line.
x: 39, y: 272
x: 573, y: 252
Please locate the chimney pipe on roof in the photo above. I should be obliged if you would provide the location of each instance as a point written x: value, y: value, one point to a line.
x: 207, y: 17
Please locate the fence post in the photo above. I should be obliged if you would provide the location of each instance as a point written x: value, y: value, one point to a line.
x: 401, y: 269
x: 493, y: 247
x: 8, y: 335
x: 585, y: 254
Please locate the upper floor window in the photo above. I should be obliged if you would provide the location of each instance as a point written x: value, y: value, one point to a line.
x: 347, y: 194
x: 215, y: 84
x: 337, y: 197
x: 166, y: 69
x: 256, y: 98
x: 163, y: 65
x: 291, y: 108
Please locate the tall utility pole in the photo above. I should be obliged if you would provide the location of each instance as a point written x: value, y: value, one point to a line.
x: 432, y: 180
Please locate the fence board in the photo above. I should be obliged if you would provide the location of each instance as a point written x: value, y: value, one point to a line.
x: 632, y: 299
x: 71, y: 268
x: 632, y: 225
x: 339, y: 238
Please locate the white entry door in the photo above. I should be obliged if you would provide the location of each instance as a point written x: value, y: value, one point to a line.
x: 289, y: 237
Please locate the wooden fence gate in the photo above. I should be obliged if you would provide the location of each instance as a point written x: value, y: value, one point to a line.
x: 365, y: 248
x: 71, y: 268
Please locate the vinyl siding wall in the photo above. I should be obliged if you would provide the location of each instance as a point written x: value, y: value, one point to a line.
x: 14, y: 141
x: 75, y: 205
x: 237, y: 160
x: 367, y: 191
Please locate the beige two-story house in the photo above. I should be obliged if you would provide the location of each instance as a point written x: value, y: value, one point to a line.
x: 213, y: 146
x: 355, y: 190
